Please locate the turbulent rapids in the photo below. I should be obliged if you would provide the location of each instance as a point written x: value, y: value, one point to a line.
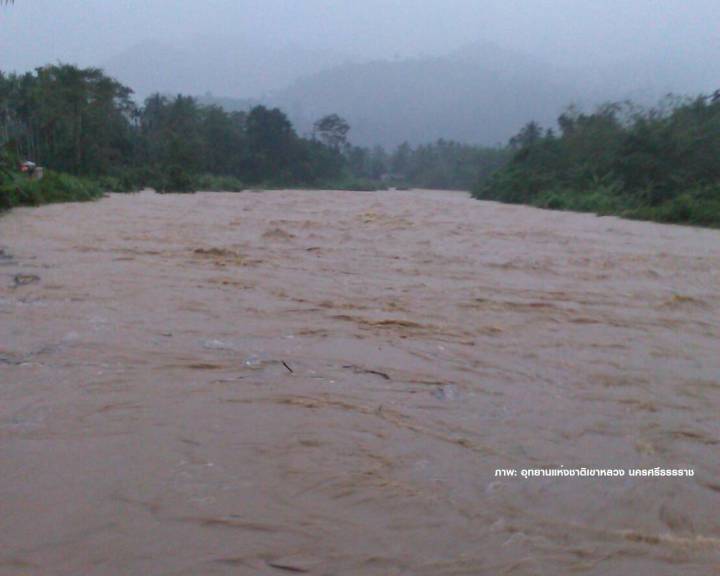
x: 342, y: 383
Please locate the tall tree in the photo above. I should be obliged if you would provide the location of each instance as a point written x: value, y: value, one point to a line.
x: 271, y: 144
x: 332, y: 131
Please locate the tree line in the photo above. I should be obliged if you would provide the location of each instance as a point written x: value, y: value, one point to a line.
x: 660, y: 164
x: 82, y: 122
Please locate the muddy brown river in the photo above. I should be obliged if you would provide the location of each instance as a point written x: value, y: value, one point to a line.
x: 339, y: 383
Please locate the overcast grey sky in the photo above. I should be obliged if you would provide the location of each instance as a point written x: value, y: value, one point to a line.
x: 34, y: 32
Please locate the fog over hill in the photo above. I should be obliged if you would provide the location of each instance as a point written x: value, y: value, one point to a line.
x: 479, y: 94
x: 227, y: 66
x: 396, y: 69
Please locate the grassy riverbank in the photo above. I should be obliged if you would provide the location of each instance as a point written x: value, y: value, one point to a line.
x: 54, y: 187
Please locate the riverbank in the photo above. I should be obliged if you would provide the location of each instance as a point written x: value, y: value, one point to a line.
x: 53, y: 188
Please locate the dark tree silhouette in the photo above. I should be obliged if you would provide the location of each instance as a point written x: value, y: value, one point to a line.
x: 332, y: 131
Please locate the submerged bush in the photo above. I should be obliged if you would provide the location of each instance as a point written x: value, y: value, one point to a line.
x: 122, y: 183
x: 174, y: 180
x: 212, y: 183
x: 355, y: 185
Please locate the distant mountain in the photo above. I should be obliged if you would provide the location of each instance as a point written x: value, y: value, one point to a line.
x: 227, y: 103
x: 481, y: 94
x: 227, y: 66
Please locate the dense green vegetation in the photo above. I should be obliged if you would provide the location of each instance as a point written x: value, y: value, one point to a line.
x: 81, y: 122
x: 442, y: 165
x: 446, y: 165
x: 87, y: 131
x: 54, y: 187
x: 661, y: 164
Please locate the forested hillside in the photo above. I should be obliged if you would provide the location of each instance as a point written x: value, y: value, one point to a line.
x: 81, y: 122
x: 479, y: 95
x: 659, y: 164
x: 84, y: 123
x: 90, y: 134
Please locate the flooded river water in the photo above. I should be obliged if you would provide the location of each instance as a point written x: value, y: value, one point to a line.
x: 328, y: 382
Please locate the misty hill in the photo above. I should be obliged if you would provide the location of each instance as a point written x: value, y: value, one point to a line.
x: 481, y: 94
x: 226, y: 66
